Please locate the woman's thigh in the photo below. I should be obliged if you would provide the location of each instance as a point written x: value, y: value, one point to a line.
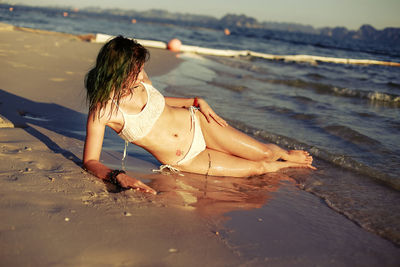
x: 229, y: 140
x: 218, y: 163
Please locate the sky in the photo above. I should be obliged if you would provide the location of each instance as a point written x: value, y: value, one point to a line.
x: 318, y: 13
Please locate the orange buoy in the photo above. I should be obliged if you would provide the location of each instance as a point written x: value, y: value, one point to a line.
x: 11, y: 9
x: 227, y: 31
x: 65, y: 14
x: 174, y: 45
x: 133, y: 21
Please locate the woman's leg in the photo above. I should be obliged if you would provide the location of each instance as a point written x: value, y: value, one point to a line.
x: 231, y: 141
x: 218, y: 163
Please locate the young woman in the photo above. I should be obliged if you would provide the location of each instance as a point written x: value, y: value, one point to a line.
x: 184, y: 133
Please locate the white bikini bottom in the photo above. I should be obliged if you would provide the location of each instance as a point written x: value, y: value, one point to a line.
x: 198, y: 143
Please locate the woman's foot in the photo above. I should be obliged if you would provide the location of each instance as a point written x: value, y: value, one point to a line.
x: 278, y: 165
x: 298, y: 156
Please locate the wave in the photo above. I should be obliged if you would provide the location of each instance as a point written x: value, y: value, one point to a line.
x: 304, y: 100
x: 315, y: 76
x: 350, y: 135
x: 394, y: 85
x: 288, y: 112
x: 297, y: 38
x: 342, y: 161
x: 320, y: 88
x: 314, y: 60
x: 231, y: 87
x: 373, y: 96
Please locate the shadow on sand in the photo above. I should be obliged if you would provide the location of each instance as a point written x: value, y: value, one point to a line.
x: 27, y: 114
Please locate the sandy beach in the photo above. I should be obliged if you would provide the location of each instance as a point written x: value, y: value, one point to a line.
x: 55, y: 214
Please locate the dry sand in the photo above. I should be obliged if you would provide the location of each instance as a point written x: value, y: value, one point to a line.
x: 55, y: 214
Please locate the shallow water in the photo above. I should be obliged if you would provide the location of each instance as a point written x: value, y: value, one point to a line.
x: 357, y: 163
x: 296, y: 106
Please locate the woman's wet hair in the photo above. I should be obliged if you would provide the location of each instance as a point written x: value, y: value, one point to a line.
x: 117, y: 67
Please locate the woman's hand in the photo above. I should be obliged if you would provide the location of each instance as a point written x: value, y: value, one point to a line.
x: 210, y: 114
x: 128, y: 182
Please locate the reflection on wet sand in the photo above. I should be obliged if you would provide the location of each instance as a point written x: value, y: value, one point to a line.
x: 213, y: 196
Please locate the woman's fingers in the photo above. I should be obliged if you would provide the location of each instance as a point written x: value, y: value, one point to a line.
x: 146, y: 188
x: 221, y: 122
x: 138, y: 185
x: 211, y: 115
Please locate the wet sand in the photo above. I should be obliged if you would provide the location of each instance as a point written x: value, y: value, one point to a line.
x: 54, y: 213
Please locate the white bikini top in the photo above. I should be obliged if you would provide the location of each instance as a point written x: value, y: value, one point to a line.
x: 137, y: 126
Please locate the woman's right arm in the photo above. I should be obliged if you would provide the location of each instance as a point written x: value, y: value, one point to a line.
x: 91, y: 156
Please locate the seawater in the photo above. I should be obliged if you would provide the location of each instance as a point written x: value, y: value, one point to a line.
x: 347, y: 116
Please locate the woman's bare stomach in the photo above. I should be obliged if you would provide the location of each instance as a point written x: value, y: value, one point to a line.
x: 171, y: 136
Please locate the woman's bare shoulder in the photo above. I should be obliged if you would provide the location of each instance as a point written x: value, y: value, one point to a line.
x: 102, y: 114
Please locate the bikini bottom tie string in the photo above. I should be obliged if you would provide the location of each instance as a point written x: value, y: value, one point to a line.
x: 167, y: 169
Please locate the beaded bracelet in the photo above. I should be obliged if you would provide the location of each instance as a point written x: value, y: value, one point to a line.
x: 112, y: 176
x: 196, y: 102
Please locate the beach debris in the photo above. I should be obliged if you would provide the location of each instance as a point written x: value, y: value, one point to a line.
x: 127, y: 214
x: 172, y: 250
x: 27, y: 148
x: 66, y: 219
x: 28, y: 170
x: 51, y: 178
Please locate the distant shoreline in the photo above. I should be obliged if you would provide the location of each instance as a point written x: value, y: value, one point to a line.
x: 365, y: 32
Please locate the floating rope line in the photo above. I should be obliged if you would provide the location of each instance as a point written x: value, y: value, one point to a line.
x: 102, y: 38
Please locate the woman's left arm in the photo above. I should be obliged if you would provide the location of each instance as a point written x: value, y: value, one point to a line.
x: 200, y: 103
x: 179, y: 102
